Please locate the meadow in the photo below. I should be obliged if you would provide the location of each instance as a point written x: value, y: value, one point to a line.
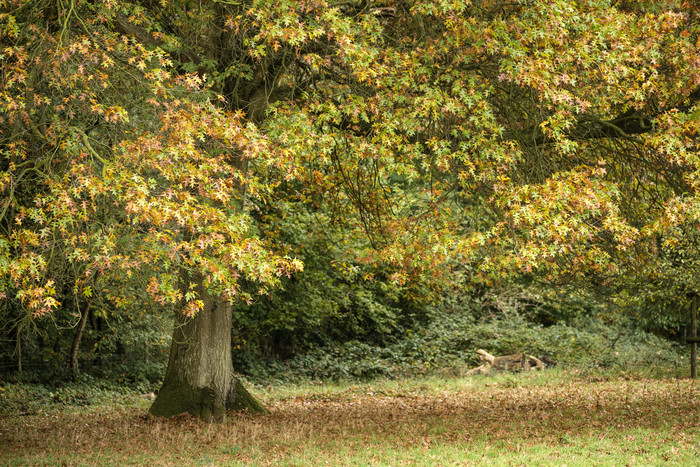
x: 556, y: 417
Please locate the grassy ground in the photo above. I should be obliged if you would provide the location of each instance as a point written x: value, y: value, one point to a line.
x: 550, y: 418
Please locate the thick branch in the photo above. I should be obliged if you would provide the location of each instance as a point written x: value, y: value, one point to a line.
x: 123, y: 26
x: 625, y: 126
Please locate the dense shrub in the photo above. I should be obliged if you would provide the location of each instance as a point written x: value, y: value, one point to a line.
x: 450, y: 342
x: 30, y: 398
x: 125, y: 347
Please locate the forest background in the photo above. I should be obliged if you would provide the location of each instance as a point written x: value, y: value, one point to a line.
x: 364, y: 188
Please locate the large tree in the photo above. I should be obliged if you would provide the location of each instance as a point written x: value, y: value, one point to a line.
x: 121, y: 167
x: 551, y: 137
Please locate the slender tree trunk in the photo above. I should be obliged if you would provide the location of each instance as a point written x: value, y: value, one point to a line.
x: 200, y: 378
x: 18, y: 349
x: 75, y: 347
x: 694, y: 338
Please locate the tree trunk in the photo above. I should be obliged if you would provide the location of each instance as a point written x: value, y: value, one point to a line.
x: 18, y: 350
x: 75, y: 347
x: 514, y: 363
x: 200, y: 378
x: 694, y: 338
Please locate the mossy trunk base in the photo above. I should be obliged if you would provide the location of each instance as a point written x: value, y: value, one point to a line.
x: 240, y: 399
x: 177, y: 398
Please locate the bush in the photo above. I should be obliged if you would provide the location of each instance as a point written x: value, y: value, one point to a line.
x: 31, y: 398
x: 451, y: 341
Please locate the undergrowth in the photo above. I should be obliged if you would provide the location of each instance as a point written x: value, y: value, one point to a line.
x: 449, y: 346
x: 18, y: 398
x: 586, y: 347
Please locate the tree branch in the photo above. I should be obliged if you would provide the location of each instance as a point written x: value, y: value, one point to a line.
x: 624, y: 126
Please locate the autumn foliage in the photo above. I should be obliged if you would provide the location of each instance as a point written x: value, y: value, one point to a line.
x: 140, y: 141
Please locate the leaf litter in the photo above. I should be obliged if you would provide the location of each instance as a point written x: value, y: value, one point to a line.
x: 372, y: 424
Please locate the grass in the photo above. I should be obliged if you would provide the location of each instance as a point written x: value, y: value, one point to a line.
x: 550, y: 418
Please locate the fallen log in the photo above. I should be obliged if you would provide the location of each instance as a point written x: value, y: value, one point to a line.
x: 514, y: 363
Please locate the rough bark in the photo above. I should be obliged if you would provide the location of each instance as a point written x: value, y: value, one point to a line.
x: 200, y: 378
